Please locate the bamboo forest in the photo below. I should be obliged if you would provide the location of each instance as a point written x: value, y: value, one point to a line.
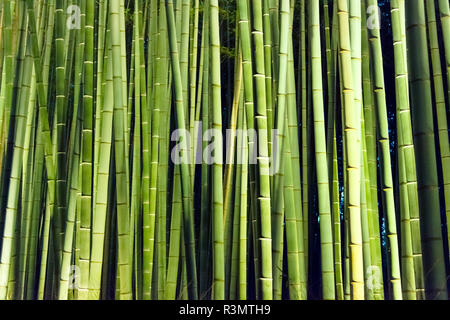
x: 224, y: 149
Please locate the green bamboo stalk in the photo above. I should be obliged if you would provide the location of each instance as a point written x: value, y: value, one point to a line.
x: 439, y: 100
x: 70, y: 223
x: 120, y: 156
x: 388, y: 193
x: 328, y: 281
x: 353, y: 171
x: 406, y: 147
x: 28, y: 155
x: 43, y: 125
x: 370, y: 135
x: 295, y: 290
x: 87, y: 151
x: 217, y: 193
x: 103, y: 175
x: 292, y: 125
x: 162, y: 169
x: 193, y: 57
x: 268, y: 71
x: 332, y: 158
x: 174, y: 241
x: 421, y: 102
x: 159, y: 91
x: 355, y: 34
x: 231, y: 175
x: 12, y: 213
x: 281, y: 107
x: 185, y: 170
x: 302, y: 102
x: 234, y: 270
x: 61, y: 119
x: 205, y: 236
x: 444, y: 10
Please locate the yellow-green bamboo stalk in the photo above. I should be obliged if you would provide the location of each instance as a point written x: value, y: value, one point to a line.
x: 353, y: 168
